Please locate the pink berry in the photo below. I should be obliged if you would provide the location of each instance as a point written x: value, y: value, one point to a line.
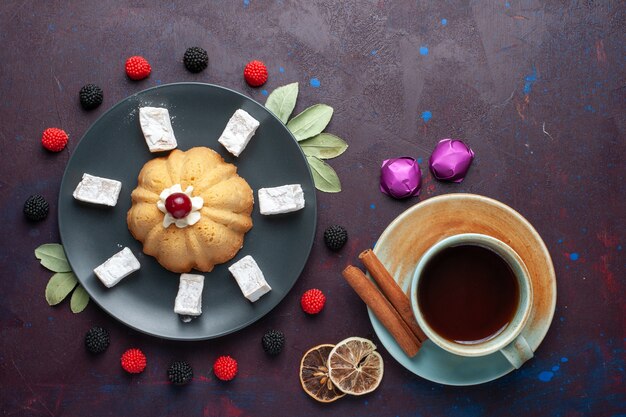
x: 178, y: 205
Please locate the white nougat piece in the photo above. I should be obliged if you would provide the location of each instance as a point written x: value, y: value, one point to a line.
x: 238, y: 132
x: 250, y: 278
x: 157, y: 128
x: 97, y: 190
x: 189, y: 298
x: 117, y: 267
x: 283, y: 199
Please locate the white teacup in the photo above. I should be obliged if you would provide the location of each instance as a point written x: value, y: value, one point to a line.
x: 509, y: 341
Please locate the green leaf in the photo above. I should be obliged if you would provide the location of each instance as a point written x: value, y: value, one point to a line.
x: 79, y: 300
x: 59, y: 286
x: 310, y: 122
x: 324, y: 146
x: 53, y: 257
x: 324, y: 175
x: 282, y: 101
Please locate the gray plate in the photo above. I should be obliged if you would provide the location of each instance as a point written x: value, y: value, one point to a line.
x: 114, y: 148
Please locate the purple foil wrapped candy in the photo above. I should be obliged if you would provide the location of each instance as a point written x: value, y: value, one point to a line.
x: 450, y: 160
x: 400, y: 177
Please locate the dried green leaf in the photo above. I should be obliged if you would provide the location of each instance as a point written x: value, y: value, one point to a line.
x: 53, y: 257
x: 282, y: 101
x: 324, y: 146
x: 59, y: 286
x: 79, y: 299
x: 310, y: 122
x: 324, y: 175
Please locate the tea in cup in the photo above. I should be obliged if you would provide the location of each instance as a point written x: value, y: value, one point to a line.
x: 472, y: 295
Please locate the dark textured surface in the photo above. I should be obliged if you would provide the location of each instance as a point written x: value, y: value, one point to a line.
x: 536, y: 88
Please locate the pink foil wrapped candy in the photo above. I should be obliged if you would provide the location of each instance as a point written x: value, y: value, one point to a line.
x: 400, y: 177
x: 450, y: 160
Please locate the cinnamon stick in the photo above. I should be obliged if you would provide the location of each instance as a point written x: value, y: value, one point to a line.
x: 382, y: 309
x: 392, y: 291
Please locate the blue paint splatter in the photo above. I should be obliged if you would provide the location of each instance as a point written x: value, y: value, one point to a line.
x: 560, y: 240
x: 423, y: 50
x: 574, y: 256
x: 562, y: 319
x: 315, y: 83
x: 19, y: 138
x: 530, y: 80
x: 555, y: 368
x: 374, y: 52
x: 590, y: 108
x: 281, y: 69
x: 107, y: 388
x: 50, y: 318
x: 546, y: 376
x: 444, y: 22
x: 51, y: 27
x: 264, y: 92
x: 158, y: 82
x: 419, y: 160
x: 28, y: 324
x: 564, y: 359
x: 427, y: 115
x: 619, y: 247
x: 246, y: 3
x: 372, y: 206
x: 74, y: 29
x: 507, y: 5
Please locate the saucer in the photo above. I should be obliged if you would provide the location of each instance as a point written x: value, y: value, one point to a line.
x: 404, y: 241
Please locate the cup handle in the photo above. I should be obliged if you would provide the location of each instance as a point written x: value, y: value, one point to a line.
x: 518, y: 351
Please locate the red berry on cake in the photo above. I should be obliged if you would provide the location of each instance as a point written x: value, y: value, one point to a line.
x: 54, y: 139
x: 178, y: 205
x: 137, y: 68
x: 225, y: 368
x: 313, y: 301
x: 133, y: 361
x: 255, y: 73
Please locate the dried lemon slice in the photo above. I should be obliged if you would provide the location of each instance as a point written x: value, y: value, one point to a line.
x: 314, y: 375
x: 355, y: 367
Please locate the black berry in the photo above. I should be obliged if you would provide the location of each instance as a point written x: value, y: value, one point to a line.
x: 36, y: 208
x: 97, y: 340
x: 196, y: 59
x: 90, y: 96
x: 180, y: 373
x: 335, y: 237
x: 273, y: 342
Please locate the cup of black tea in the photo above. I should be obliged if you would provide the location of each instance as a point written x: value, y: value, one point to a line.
x: 472, y: 296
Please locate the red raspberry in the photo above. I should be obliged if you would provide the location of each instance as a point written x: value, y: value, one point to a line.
x: 313, y: 301
x: 133, y: 361
x: 225, y: 368
x: 54, y: 139
x: 137, y: 68
x: 255, y: 73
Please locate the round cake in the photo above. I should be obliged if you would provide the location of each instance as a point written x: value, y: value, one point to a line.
x: 190, y: 210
